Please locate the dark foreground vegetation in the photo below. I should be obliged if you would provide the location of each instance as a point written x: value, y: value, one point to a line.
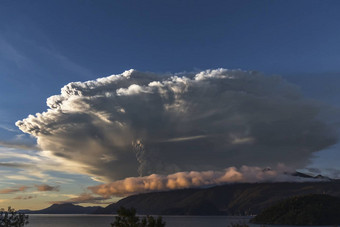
x: 12, y: 218
x: 239, y: 225
x: 127, y: 218
x: 302, y: 210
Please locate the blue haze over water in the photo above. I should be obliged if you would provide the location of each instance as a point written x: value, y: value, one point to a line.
x: 48, y: 220
x: 41, y: 220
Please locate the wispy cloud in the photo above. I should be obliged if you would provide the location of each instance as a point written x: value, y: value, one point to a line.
x: 181, y: 139
x: 84, y: 198
x: 20, y: 177
x: 24, y: 197
x: 23, y: 60
x: 33, y: 189
x: 37, y: 166
x: 8, y: 128
x: 16, y: 165
x: 66, y: 62
x: 10, y: 53
x: 19, y: 145
x: 14, y: 190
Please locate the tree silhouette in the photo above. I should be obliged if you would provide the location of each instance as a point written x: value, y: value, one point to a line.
x: 127, y: 218
x: 12, y: 218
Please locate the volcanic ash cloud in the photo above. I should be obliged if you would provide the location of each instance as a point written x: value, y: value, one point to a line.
x: 139, y: 123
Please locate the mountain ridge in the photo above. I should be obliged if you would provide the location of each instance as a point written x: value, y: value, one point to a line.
x: 228, y: 199
x: 231, y: 199
x: 64, y: 208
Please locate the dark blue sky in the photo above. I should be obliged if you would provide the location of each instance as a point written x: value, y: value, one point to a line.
x: 46, y: 44
x: 106, y: 36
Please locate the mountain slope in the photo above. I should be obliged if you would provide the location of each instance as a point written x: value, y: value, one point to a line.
x: 231, y: 199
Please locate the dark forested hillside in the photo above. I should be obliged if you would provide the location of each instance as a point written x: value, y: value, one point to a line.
x: 302, y: 210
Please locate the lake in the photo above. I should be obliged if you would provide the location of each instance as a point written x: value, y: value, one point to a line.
x: 62, y: 220
x: 50, y: 220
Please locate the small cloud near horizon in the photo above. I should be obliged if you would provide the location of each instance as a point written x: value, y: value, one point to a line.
x: 24, y: 197
x: 46, y: 187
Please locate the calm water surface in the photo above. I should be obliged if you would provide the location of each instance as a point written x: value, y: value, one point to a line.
x: 50, y: 220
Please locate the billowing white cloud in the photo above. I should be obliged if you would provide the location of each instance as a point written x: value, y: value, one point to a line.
x: 180, y: 180
x: 139, y: 123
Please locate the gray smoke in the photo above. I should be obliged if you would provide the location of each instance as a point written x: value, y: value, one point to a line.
x: 139, y: 123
